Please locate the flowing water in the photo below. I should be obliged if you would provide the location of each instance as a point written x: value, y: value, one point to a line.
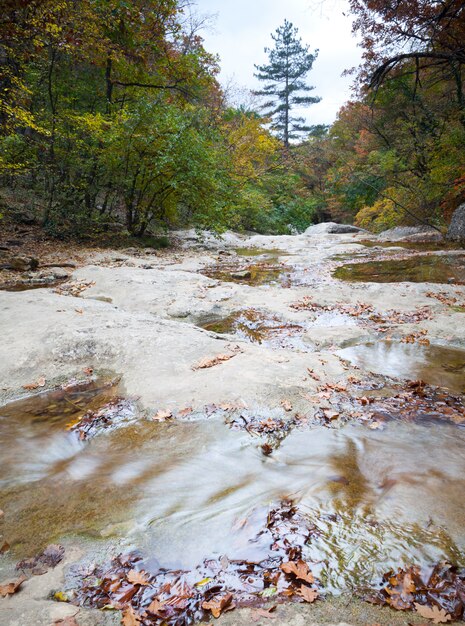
x: 183, y: 491
x: 436, y: 365
x: 417, y: 269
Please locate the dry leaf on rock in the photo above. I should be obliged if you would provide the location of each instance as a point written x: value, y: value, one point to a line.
x: 439, y: 616
x: 9, y: 589
x: 308, y: 594
x: 130, y: 618
x: 211, y: 362
x: 66, y: 621
x: 257, y: 614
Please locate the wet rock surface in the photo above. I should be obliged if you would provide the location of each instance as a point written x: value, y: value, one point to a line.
x: 456, y: 231
x: 256, y: 451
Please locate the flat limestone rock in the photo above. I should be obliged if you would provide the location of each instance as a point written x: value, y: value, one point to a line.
x: 332, y: 228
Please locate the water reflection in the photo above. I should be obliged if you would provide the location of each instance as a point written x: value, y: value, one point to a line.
x: 436, y: 365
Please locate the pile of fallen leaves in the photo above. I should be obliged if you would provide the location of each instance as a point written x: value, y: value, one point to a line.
x: 437, y: 594
x: 111, y: 415
x: 417, y: 401
x: 148, y: 594
x: 445, y: 298
x: 74, y: 288
x: 365, y: 314
x: 417, y: 337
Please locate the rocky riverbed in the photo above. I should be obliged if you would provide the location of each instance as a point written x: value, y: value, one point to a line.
x: 259, y: 371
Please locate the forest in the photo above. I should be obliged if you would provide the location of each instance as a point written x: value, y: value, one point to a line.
x: 112, y: 117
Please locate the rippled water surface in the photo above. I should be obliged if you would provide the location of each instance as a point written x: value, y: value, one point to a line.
x: 182, y: 491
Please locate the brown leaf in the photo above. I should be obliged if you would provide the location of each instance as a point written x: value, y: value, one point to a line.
x: 130, y: 618
x: 219, y: 605
x: 9, y: 589
x: 308, y: 594
x: 187, y: 411
x: 31, y: 386
x: 439, y: 616
x: 287, y: 406
x: 5, y: 547
x: 137, y: 578
x: 66, y: 621
x: 257, y: 614
x: 161, y: 416
x: 211, y: 362
x: 156, y: 606
x: 299, y: 569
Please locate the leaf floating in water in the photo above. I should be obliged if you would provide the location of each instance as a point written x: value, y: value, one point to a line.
x: 299, y: 569
x: 218, y: 606
x: 162, y: 416
x: 138, y: 578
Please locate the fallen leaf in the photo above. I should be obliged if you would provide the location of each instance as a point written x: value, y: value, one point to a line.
x: 257, y: 614
x: 308, y: 594
x: 5, y: 547
x: 66, y: 621
x: 203, y: 582
x: 300, y: 570
x: 88, y: 371
x: 439, y: 616
x: 156, y: 606
x: 9, y: 589
x: 219, y: 605
x: 137, y: 578
x: 287, y: 406
x: 161, y: 416
x: 187, y: 411
x: 211, y: 362
x: 130, y: 618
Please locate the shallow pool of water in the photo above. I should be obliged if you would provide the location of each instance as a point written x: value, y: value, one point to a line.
x: 436, y: 365
x: 271, y: 274
x: 416, y: 269
x: 187, y: 490
x: 257, y: 327
x: 425, y: 246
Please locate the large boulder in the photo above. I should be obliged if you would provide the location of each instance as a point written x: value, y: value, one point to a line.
x: 411, y: 233
x: 456, y: 230
x: 332, y: 228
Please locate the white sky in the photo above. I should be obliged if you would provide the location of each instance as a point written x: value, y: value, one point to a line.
x: 241, y: 30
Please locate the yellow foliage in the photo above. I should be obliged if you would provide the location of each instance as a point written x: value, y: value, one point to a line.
x: 382, y: 215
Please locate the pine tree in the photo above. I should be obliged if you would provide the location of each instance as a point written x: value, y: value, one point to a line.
x: 289, y: 63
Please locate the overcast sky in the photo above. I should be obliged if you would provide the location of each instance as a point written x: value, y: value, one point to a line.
x: 241, y: 30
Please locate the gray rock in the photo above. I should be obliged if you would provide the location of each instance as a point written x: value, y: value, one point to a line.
x: 411, y: 233
x: 21, y: 263
x: 456, y: 230
x: 241, y: 274
x: 332, y: 228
